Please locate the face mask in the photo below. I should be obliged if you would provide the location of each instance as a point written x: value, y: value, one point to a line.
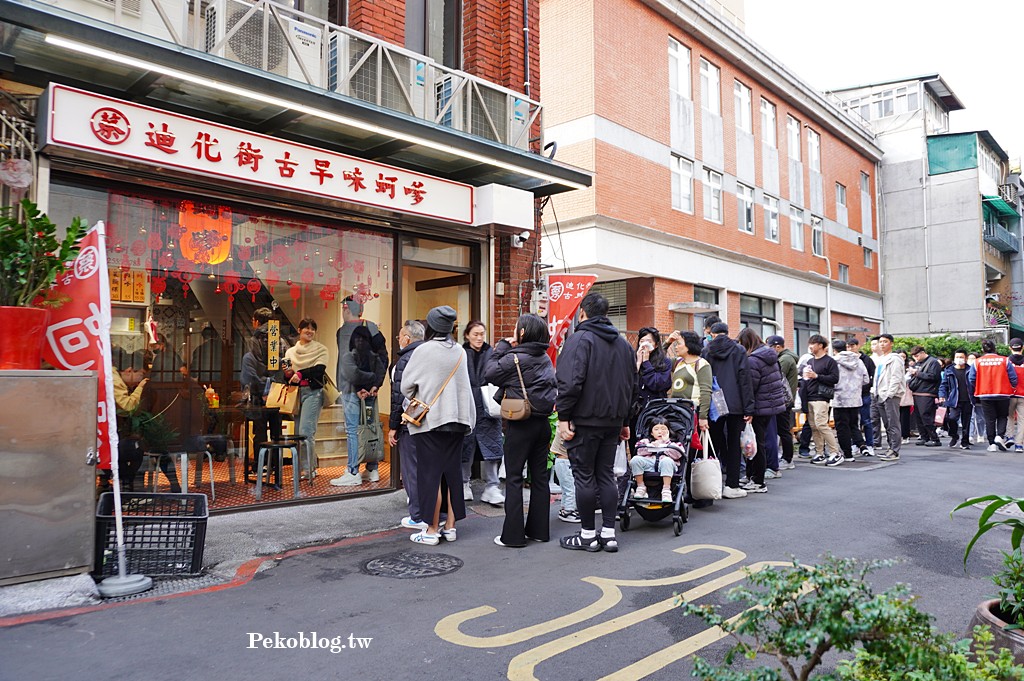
x: 708, y: 337
x: 960, y: 362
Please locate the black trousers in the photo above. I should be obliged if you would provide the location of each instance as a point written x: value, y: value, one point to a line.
x: 996, y: 411
x: 757, y: 465
x: 784, y: 426
x: 848, y: 428
x: 526, y: 442
x: 129, y: 461
x: 592, y: 455
x: 725, y: 434
x: 805, y: 435
x: 962, y: 414
x: 924, y: 405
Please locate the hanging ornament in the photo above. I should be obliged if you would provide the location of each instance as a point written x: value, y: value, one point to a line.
x: 280, y: 256
x: 138, y: 247
x: 273, y: 279
x: 125, y: 263
x: 155, y: 242
x: 305, y: 256
x: 262, y: 238
x: 158, y: 285
x: 253, y: 287
x: 204, y: 233
x: 185, y: 278
x: 231, y: 286
x: 327, y: 294
x: 307, y: 276
x: 295, y: 293
x: 117, y: 248
x: 359, y: 267
x: 245, y: 252
x: 166, y: 261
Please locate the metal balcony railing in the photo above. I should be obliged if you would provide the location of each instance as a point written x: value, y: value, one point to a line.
x: 1000, y: 238
x: 274, y: 38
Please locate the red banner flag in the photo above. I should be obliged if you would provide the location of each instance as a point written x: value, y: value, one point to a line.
x: 79, y: 333
x: 565, y: 293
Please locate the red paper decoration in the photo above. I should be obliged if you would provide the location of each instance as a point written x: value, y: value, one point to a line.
x: 157, y: 285
x: 253, y: 287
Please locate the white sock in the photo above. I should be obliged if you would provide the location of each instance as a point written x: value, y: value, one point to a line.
x: 588, y: 534
x: 607, y: 533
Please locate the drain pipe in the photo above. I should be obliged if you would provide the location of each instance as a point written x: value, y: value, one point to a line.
x: 526, y: 47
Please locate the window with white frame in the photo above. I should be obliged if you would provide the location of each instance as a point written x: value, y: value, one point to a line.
x: 844, y: 274
x: 840, y: 195
x: 771, y: 218
x: 990, y: 164
x: 860, y: 105
x: 806, y: 323
x: 865, y: 183
x: 814, y: 150
x: 907, y: 99
x: 817, y: 236
x: 745, y: 201
x: 769, y: 135
x: 895, y: 101
x: 744, y: 113
x: 712, y: 196
x: 796, y: 229
x: 710, y: 93
x: 682, y: 184
x: 869, y: 260
x: 679, y: 69
x: 793, y: 133
x: 937, y: 115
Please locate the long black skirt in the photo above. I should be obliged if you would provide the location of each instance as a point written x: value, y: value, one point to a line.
x: 439, y: 466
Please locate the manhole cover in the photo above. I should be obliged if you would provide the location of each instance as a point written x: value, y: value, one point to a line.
x: 412, y: 565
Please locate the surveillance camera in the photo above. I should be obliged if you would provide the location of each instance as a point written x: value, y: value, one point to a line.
x: 524, y: 235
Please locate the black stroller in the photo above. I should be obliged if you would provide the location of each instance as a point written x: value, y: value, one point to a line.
x: 678, y: 413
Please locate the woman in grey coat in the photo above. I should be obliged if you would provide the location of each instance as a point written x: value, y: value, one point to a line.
x: 486, y: 435
x: 437, y: 376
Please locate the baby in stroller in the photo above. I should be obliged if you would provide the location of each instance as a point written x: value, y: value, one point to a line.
x: 657, y: 453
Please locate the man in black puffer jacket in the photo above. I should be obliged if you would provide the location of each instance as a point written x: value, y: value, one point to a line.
x: 730, y: 367
x: 409, y: 338
x: 597, y: 385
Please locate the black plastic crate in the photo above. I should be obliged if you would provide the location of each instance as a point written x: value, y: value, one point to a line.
x: 164, y: 534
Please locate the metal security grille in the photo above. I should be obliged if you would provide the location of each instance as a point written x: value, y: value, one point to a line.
x: 615, y: 292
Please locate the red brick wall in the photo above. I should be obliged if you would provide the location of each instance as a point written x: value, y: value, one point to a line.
x: 512, y: 266
x: 384, y: 19
x: 840, y: 319
x: 493, y: 41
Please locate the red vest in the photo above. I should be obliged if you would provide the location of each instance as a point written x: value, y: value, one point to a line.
x: 993, y: 381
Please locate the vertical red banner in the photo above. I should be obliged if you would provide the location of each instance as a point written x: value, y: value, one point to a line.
x: 565, y: 292
x: 79, y: 333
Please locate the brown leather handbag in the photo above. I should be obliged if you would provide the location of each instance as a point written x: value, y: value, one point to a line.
x: 513, y: 409
x: 416, y: 410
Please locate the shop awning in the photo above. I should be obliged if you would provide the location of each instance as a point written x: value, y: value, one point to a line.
x: 1001, y: 207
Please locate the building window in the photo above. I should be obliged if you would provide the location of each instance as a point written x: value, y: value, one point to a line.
x: 744, y: 114
x: 814, y: 150
x: 865, y: 183
x: 615, y: 293
x: 859, y: 105
x: 745, y: 201
x: 758, y: 314
x: 710, y: 95
x: 869, y: 261
x: 771, y: 218
x: 679, y: 69
x: 712, y: 196
x: 894, y: 101
x: 806, y: 323
x: 769, y: 135
x: 702, y: 294
x: 990, y: 165
x: 434, y: 28
x: 840, y: 195
x: 796, y: 229
x: 682, y: 184
x: 793, y: 133
x: 844, y: 274
x: 817, y: 236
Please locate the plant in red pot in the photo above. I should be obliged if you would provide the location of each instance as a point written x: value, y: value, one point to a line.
x: 1005, y: 613
x: 32, y: 256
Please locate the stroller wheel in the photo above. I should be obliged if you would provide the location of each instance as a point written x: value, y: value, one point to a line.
x: 677, y: 526
x: 624, y: 521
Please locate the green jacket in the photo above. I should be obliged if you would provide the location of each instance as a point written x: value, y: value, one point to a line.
x: 787, y: 362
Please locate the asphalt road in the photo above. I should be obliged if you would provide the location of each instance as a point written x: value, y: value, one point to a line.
x: 540, y: 612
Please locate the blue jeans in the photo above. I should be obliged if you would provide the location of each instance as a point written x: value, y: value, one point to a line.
x: 563, y: 469
x: 865, y: 420
x: 311, y: 401
x: 351, y: 404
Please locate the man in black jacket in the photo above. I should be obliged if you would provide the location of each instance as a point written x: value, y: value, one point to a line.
x: 821, y: 375
x: 409, y: 338
x: 925, y: 376
x: 597, y: 385
x: 731, y: 370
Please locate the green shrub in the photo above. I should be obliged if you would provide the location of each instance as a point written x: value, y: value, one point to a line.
x: 942, y: 346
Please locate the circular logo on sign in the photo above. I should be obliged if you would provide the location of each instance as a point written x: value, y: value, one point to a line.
x: 555, y: 291
x: 110, y: 125
x: 86, y: 263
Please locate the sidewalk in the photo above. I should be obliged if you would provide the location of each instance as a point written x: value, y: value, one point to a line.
x: 231, y: 540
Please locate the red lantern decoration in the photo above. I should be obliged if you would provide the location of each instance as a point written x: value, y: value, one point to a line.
x: 295, y: 293
x: 205, y: 233
x: 157, y: 285
x: 185, y: 278
x: 253, y: 287
x: 273, y: 279
x: 166, y: 261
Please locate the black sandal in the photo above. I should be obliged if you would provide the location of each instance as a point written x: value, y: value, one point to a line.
x: 608, y: 544
x: 576, y: 542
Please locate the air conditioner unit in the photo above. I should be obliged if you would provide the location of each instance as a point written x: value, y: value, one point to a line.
x: 445, y: 89
x: 518, y: 135
x: 246, y: 44
x: 141, y: 16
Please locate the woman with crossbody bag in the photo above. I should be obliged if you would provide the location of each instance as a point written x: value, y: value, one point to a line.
x: 692, y: 380
x: 441, y: 411
x: 525, y: 377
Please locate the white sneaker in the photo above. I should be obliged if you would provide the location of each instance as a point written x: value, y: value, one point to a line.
x: 467, y: 492
x: 411, y: 524
x: 993, y: 448
x: 867, y: 451
x: 666, y: 496
x: 771, y: 475
x: 493, y: 496
x: 641, y: 492
x: 348, y: 480
x: 733, y: 493
x: 1001, y: 443
x: 786, y: 465
x: 834, y: 460
x: 374, y: 476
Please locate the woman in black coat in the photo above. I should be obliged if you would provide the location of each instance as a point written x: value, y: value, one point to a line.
x: 526, y: 441
x: 766, y: 380
x: 655, y: 370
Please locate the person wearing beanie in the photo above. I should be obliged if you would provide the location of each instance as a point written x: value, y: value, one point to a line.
x: 437, y: 376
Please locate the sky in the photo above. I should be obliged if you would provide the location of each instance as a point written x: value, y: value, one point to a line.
x: 975, y: 47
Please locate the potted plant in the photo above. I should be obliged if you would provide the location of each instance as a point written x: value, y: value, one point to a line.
x: 31, y: 258
x: 1004, y: 614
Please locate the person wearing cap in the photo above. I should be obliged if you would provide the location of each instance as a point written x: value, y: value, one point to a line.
x: 437, y: 376
x: 731, y: 369
x: 925, y: 376
x: 996, y: 383
x: 853, y: 345
x: 1017, y: 401
x: 784, y: 420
